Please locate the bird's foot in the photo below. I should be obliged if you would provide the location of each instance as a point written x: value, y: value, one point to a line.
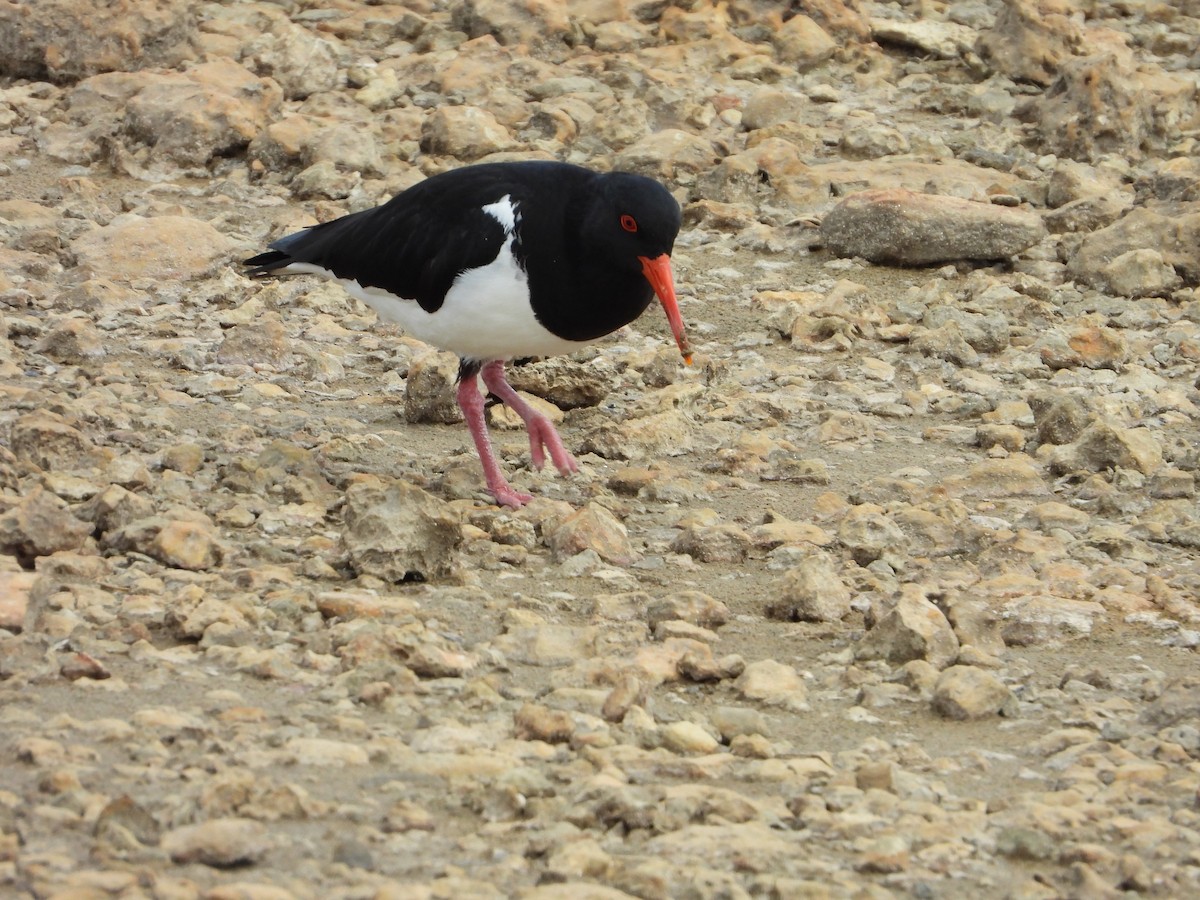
x: 542, y: 434
x: 505, y: 495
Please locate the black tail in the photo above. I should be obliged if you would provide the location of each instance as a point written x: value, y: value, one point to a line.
x: 267, y: 263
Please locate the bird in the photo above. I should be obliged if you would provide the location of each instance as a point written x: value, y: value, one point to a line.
x: 499, y: 261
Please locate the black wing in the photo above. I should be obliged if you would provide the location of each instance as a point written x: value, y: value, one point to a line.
x: 417, y: 243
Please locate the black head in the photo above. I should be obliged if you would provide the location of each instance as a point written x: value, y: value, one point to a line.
x: 633, y: 217
x: 632, y: 224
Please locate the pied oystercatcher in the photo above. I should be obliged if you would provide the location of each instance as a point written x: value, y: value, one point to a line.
x: 502, y: 260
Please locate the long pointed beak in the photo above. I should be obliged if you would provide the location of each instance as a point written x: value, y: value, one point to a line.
x: 658, y: 273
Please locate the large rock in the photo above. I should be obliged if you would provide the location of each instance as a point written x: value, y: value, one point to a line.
x: 213, y: 109
x: 592, y: 528
x: 398, y: 532
x: 812, y: 591
x: 165, y: 248
x: 1031, y: 38
x: 1111, y: 103
x: 967, y: 692
x: 297, y: 59
x: 40, y: 524
x: 912, y: 629
x: 901, y: 227
x: 533, y: 23
x: 63, y: 40
x: 1172, y: 230
x: 49, y: 442
x: 465, y: 133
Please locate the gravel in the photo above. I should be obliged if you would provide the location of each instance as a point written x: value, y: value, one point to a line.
x: 892, y: 594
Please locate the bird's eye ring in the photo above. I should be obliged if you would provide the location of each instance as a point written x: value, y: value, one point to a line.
x: 629, y: 223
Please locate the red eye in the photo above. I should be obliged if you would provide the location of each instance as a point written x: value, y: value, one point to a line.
x: 629, y: 223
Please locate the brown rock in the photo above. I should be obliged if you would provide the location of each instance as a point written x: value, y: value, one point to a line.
x: 723, y: 542
x: 429, y: 394
x: 64, y: 40
x: 534, y: 722
x: 695, y: 607
x: 40, y: 524
x: 186, y: 545
x: 164, y: 247
x: 395, y: 531
x: 15, y: 588
x: 967, y: 692
x: 1110, y: 102
x: 812, y: 591
x: 47, y: 441
x: 803, y: 43
x: 1170, y: 229
x: 670, y: 153
x: 903, y: 227
x: 1099, y: 347
x: 912, y: 629
x: 263, y: 341
x: 212, y: 109
x: 220, y: 843
x: 464, y: 132
x: 71, y: 341
x: 593, y: 528
x: 1103, y: 445
x: 533, y: 23
x: 1031, y: 38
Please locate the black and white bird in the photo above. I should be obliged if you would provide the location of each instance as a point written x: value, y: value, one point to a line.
x: 499, y: 261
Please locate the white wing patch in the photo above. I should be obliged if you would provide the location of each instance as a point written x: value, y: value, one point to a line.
x: 485, y: 315
x: 505, y: 212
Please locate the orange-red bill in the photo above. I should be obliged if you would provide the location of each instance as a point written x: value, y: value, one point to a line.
x: 658, y: 273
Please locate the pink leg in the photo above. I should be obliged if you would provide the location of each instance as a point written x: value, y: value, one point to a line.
x: 471, y: 403
x: 541, y: 430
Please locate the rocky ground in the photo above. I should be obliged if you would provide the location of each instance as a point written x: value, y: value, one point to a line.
x: 892, y: 594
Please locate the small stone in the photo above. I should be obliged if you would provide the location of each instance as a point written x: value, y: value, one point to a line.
x: 405, y: 816
x: 1178, y: 703
x: 695, y: 607
x: 773, y: 683
x: 874, y: 776
x: 75, y: 666
x: 812, y: 591
x: 593, y: 528
x: 397, y: 532
x: 803, y: 42
x: 324, y: 752
x: 71, y: 341
x: 133, y: 247
x: 40, y: 524
x: 720, y: 543
x: 914, y: 628
x: 429, y: 389
x: 220, y: 843
x: 1058, y: 417
x: 870, y: 534
x: 125, y: 824
x: 886, y: 854
x: 1020, y: 842
x: 15, y: 588
x: 967, y: 692
x: 1102, y: 446
x: 688, y: 737
x: 464, y: 132
x: 627, y: 692
x: 186, y: 545
x: 534, y: 722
